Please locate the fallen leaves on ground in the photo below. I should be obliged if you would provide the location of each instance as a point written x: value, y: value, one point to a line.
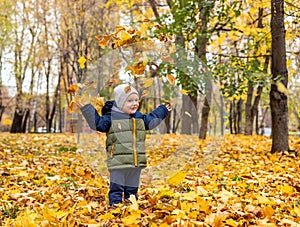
x: 45, y: 182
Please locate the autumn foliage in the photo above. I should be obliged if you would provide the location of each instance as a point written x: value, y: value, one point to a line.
x: 45, y: 182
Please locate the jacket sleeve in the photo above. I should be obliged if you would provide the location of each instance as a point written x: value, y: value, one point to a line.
x: 154, y: 118
x: 94, y: 120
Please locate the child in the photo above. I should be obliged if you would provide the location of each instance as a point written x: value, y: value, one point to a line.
x: 125, y: 143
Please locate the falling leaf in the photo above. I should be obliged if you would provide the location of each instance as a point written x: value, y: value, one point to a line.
x: 123, y: 37
x: 103, y: 40
x: 137, y: 68
x: 171, y: 79
x: 72, y: 108
x: 74, y: 88
x: 148, y: 82
x: 145, y: 93
x: 184, y: 92
x: 81, y: 62
x: 127, y: 89
x: 98, y: 103
x: 119, y: 28
x: 167, y: 58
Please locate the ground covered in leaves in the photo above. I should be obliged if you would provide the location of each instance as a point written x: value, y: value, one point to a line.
x: 234, y: 182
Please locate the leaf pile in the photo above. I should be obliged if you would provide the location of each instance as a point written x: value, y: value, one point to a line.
x: 45, y: 182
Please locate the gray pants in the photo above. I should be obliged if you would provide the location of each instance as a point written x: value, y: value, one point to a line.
x: 123, y: 181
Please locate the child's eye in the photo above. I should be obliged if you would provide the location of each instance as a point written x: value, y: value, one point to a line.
x: 133, y: 100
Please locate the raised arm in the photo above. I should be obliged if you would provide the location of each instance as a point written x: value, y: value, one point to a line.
x: 154, y: 118
x: 94, y: 120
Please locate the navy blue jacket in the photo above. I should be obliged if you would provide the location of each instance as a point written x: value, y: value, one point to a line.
x: 103, y: 123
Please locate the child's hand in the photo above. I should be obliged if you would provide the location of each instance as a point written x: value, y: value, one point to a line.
x: 82, y: 100
x: 169, y: 107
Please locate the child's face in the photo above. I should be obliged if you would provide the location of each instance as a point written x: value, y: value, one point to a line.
x: 131, y: 104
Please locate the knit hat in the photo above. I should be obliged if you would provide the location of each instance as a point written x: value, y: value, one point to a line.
x: 121, y: 93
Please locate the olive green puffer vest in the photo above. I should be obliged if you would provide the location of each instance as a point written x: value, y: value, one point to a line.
x: 125, y: 144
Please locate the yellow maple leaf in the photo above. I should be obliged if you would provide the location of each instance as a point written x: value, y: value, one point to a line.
x: 134, y: 205
x: 137, y: 68
x: 286, y: 189
x: 106, y: 217
x: 231, y: 222
x: 179, y: 213
x: 72, y: 108
x: 203, y: 205
x: 49, y: 215
x: 282, y: 88
x: 177, y: 178
x: 123, y: 38
x: 148, y: 82
x: 296, y: 210
x: 264, y: 200
x: 267, y: 211
x: 7, y: 122
x: 144, y: 94
x: 133, y: 218
x: 26, y: 218
x: 74, y: 88
x: 98, y: 103
x: 184, y: 92
x: 119, y: 28
x: 81, y: 62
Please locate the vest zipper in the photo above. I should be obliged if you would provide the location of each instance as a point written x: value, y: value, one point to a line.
x: 112, y: 150
x: 134, y: 142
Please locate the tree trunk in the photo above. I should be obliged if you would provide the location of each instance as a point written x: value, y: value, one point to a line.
x: 239, y: 116
x: 17, y: 122
x: 278, y: 99
x: 254, y: 109
x: 25, y: 120
x: 231, y: 117
x: 256, y: 123
x: 204, y: 118
x: 222, y: 114
x: 297, y: 114
x: 186, y: 122
x: 249, y: 123
x: 201, y: 50
x: 262, y: 122
x: 234, y: 117
x: 168, y: 123
x: 298, y: 117
x: 1, y: 102
x: 195, y: 117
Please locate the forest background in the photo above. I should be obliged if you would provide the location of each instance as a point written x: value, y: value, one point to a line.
x: 42, y: 45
